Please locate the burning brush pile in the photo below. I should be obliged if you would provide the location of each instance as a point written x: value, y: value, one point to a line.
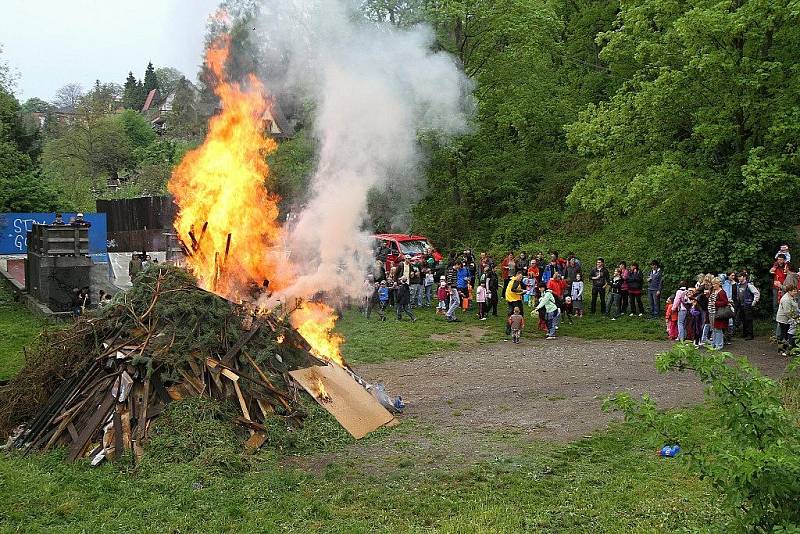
x: 98, y: 387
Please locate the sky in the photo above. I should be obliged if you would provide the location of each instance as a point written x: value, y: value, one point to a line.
x: 50, y: 43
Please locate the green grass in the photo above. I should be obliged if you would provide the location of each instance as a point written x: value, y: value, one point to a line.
x: 18, y: 327
x: 612, y: 482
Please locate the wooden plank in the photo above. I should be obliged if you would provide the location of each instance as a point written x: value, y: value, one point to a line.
x: 118, y: 443
x: 73, y: 433
x: 91, y: 426
x: 242, y: 403
x: 355, y: 409
x: 244, y: 340
x: 255, y: 442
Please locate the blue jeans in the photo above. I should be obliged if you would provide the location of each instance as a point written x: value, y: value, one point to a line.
x: 552, y: 321
x: 416, y: 295
x: 718, y: 339
x: 682, y: 323
x: 655, y: 303
x: 427, y: 295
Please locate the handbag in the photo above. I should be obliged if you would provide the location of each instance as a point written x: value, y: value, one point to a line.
x: 724, y: 313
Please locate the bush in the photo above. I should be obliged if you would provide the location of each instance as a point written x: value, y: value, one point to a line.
x: 753, y: 456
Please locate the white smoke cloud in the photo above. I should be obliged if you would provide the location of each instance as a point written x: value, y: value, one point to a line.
x: 374, y: 88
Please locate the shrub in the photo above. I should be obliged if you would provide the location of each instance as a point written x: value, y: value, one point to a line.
x: 753, y: 456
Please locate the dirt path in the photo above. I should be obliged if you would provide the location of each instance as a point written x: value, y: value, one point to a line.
x: 548, y: 389
x: 484, y: 401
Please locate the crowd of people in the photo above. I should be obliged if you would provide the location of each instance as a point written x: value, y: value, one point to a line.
x: 707, y: 311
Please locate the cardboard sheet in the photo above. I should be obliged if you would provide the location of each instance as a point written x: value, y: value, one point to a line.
x: 355, y: 409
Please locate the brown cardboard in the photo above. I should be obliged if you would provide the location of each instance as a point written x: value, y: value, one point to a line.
x: 355, y: 409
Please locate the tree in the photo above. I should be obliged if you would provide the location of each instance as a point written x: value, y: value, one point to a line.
x: 150, y: 79
x: 131, y: 94
x: 138, y: 130
x: 29, y: 193
x: 68, y: 97
x: 185, y: 121
x: 168, y: 79
x: 705, y: 122
x: 35, y: 105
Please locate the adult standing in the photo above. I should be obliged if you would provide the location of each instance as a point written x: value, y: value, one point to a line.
x: 573, y: 269
x: 623, y: 293
x: 403, y: 301
x: 134, y: 266
x: 492, y: 283
x: 505, y: 267
x: 513, y: 295
x: 599, y: 277
x: 779, y: 270
x: 635, y: 282
x: 462, y: 282
x: 416, y: 287
x: 717, y: 301
x: 786, y: 315
x: 679, y: 305
x: 745, y: 297
x: 655, y: 282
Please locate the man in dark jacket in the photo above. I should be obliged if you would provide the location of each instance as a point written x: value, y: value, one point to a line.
x: 403, y: 301
x: 599, y: 277
x: 492, y: 284
x: 745, y: 297
x: 655, y: 282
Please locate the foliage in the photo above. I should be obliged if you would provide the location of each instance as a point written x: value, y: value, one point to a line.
x: 168, y: 78
x: 138, y: 130
x: 753, y: 454
x: 291, y: 166
x: 701, y: 135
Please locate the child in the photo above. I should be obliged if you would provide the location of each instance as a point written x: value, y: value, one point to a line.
x: 455, y: 300
x: 428, y: 287
x: 383, y: 299
x: 517, y: 323
x: 569, y: 309
x: 481, y: 298
x: 577, y: 295
x: 529, y: 297
x: 615, y: 298
x: 671, y: 318
x: 466, y: 299
x: 784, y: 249
x: 441, y: 295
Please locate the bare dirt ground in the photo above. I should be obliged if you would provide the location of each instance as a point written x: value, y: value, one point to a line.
x: 549, y: 389
x: 484, y: 401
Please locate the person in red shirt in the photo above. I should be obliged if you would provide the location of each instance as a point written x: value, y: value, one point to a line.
x: 557, y: 285
x: 780, y: 269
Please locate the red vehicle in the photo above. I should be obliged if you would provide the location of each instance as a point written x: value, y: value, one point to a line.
x: 394, y: 248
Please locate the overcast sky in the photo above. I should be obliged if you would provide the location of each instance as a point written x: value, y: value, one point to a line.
x: 54, y: 42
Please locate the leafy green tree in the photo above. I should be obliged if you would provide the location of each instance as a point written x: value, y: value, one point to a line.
x: 136, y: 127
x: 29, y: 193
x: 168, y: 79
x: 185, y: 121
x: 291, y: 166
x: 699, y: 137
x: 752, y: 452
x: 35, y: 105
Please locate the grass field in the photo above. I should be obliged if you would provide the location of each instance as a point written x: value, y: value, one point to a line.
x: 17, y: 328
x: 612, y: 482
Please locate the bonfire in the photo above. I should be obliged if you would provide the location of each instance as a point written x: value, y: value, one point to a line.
x: 214, y: 329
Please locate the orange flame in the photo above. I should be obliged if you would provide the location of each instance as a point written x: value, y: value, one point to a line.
x: 320, y: 392
x: 227, y: 219
x: 315, y: 322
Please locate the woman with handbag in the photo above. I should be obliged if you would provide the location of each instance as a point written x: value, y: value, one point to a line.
x: 719, y: 311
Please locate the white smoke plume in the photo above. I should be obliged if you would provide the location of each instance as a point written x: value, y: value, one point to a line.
x: 374, y: 87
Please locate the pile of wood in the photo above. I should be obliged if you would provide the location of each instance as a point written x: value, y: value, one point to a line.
x: 147, y: 355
